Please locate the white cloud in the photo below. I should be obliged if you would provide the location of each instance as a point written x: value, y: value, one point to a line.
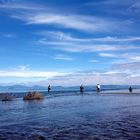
x: 55, y: 43
x: 66, y: 42
x: 33, y: 14
x: 56, y: 35
x: 131, y: 57
x: 28, y: 73
x: 116, y: 39
x: 135, y: 58
x: 131, y: 66
x: 109, y: 77
x: 62, y: 57
x: 112, y: 72
x: 109, y: 3
x: 108, y: 55
x: 14, y: 5
x: 84, y: 23
x: 116, y: 76
x: 93, y: 48
x: 61, y: 36
x: 25, y: 72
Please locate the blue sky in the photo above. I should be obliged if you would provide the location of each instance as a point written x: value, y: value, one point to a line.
x: 69, y: 42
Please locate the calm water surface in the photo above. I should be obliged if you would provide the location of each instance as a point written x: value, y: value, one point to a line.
x: 72, y: 117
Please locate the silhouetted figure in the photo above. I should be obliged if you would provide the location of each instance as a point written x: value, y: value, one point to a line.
x: 49, y: 88
x: 81, y: 89
x: 130, y: 89
x: 98, y: 88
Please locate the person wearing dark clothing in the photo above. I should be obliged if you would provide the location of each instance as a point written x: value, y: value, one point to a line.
x: 81, y: 89
x: 49, y: 88
x: 130, y: 89
x: 98, y: 88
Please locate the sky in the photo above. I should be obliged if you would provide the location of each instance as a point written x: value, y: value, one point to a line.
x: 69, y: 42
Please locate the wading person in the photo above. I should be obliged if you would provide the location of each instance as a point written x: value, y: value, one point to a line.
x: 130, y: 89
x: 98, y: 88
x: 81, y: 89
x: 49, y: 88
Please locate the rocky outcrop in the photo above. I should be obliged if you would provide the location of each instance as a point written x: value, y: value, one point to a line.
x: 33, y: 96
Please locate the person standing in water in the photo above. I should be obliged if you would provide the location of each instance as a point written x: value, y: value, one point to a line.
x: 130, y: 89
x: 98, y: 88
x: 81, y: 89
x: 49, y: 88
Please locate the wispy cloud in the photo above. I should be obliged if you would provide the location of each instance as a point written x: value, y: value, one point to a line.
x: 132, y: 57
x: 116, y: 39
x: 67, y: 42
x: 93, y: 48
x: 135, y: 58
x: 62, y: 57
x: 107, y: 77
x: 25, y: 72
x: 116, y: 76
x: 108, y: 55
x: 43, y: 15
x: 126, y: 62
x: 109, y: 2
x: 56, y: 35
x: 61, y: 36
x: 84, y: 23
x: 15, y: 5
x: 132, y: 67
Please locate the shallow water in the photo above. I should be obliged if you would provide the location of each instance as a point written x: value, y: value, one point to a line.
x: 76, y: 117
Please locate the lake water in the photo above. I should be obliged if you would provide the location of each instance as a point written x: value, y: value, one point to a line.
x: 88, y: 116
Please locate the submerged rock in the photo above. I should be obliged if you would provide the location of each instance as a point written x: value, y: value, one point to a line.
x: 33, y: 96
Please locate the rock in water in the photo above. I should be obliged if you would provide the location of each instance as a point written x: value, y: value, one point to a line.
x: 33, y: 96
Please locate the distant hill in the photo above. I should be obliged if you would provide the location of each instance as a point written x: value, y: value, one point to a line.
x: 21, y: 88
x: 26, y: 88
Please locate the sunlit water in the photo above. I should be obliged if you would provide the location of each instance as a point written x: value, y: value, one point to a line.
x: 72, y: 117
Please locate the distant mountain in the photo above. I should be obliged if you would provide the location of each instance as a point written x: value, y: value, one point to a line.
x: 18, y: 87
x: 21, y: 88
x: 38, y: 87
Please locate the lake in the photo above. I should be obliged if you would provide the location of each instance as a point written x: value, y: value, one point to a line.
x: 73, y: 116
